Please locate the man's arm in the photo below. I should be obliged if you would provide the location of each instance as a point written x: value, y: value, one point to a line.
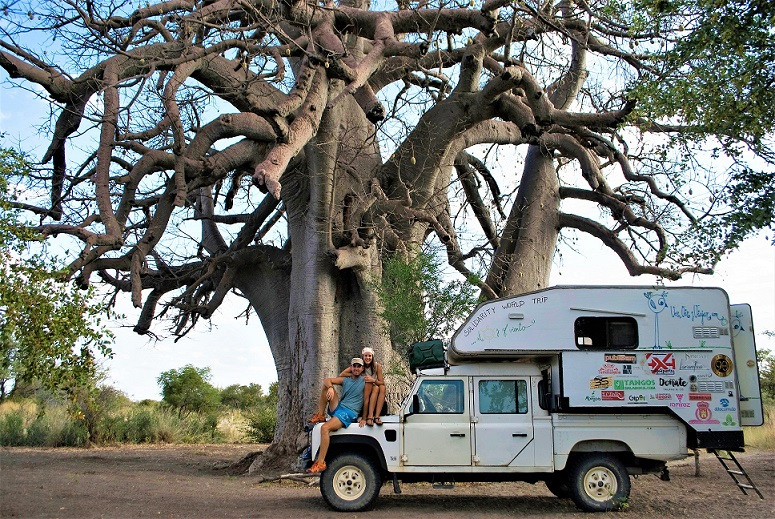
x: 331, y: 382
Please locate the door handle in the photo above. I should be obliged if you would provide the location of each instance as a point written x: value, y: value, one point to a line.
x: 458, y: 435
x: 519, y: 435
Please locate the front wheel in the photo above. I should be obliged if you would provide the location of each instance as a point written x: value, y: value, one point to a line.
x: 599, y: 483
x: 558, y: 485
x: 350, y: 483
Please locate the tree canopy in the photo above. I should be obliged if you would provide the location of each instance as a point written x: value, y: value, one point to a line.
x: 288, y: 151
x: 188, y: 389
x: 51, y: 333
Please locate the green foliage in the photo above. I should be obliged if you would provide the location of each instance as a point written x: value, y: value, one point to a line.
x: 419, y: 304
x: 766, y: 360
x: 50, y: 331
x: 241, y: 397
x: 262, y: 424
x: 719, y: 74
x: 28, y: 422
x: 52, y: 426
x: 712, y: 71
x: 187, y: 389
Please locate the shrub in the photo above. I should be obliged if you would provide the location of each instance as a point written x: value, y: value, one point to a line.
x: 187, y: 389
x: 12, y: 431
x: 39, y: 433
x: 262, y: 424
x: 141, y: 427
x: 74, y: 434
x: 112, y: 429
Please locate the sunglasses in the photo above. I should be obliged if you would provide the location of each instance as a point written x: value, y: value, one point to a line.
x: 357, y: 365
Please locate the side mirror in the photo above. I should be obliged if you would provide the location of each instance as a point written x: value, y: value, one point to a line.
x: 414, y: 407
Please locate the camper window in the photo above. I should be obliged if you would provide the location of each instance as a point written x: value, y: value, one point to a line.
x: 606, y: 333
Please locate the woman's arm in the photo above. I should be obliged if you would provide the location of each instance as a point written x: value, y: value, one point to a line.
x: 378, y: 374
x: 346, y: 372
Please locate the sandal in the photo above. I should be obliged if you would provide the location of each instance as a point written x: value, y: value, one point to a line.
x: 378, y: 420
x: 317, y: 418
x: 370, y: 422
x: 317, y: 467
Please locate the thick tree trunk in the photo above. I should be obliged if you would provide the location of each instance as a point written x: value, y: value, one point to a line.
x: 330, y: 313
x: 523, y: 260
x: 538, y: 208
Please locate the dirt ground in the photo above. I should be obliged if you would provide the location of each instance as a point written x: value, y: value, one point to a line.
x: 189, y: 482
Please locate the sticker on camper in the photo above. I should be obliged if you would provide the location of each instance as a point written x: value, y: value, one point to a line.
x: 661, y: 363
x: 613, y: 395
x: 634, y: 385
x: 609, y: 369
x: 620, y: 358
x: 721, y: 365
x: 703, y: 414
x: 601, y: 382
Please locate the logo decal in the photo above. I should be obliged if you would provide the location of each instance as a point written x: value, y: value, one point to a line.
x: 601, y: 382
x: 703, y: 414
x: 620, y: 358
x: 634, y: 385
x: 721, y: 365
x: 613, y: 395
x: 661, y: 363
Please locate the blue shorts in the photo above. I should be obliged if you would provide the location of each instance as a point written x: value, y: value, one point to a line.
x: 345, y: 415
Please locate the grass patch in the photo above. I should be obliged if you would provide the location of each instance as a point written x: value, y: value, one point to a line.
x: 32, y: 423
x: 763, y: 436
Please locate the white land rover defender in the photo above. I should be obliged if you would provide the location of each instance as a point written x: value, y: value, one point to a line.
x: 579, y: 387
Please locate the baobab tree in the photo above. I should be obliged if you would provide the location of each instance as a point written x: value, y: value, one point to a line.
x: 283, y: 151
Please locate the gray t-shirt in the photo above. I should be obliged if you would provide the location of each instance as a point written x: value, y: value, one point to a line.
x: 352, y: 394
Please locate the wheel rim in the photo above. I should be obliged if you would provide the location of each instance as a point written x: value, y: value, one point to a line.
x: 600, y: 484
x: 349, y: 483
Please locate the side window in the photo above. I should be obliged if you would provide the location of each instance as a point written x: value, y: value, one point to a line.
x: 606, y: 333
x: 502, y: 397
x: 441, y: 397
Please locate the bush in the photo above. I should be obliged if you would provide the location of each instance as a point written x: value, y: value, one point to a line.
x: 73, y: 434
x: 262, y: 424
x: 112, y: 429
x: 12, y: 431
x: 187, y: 389
x: 142, y: 427
x: 39, y: 433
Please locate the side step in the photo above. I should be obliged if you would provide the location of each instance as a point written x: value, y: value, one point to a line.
x: 736, y: 471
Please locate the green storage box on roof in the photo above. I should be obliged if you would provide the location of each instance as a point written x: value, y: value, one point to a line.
x: 426, y: 355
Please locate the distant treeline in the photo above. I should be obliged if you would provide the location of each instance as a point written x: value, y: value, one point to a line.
x: 191, y: 411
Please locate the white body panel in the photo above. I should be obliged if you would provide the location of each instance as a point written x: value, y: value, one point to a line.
x: 649, y: 436
x: 746, y: 367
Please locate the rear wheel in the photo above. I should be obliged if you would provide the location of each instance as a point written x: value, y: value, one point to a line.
x: 599, y: 482
x: 350, y: 483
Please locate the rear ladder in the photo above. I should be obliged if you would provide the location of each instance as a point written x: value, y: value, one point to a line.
x: 736, y: 471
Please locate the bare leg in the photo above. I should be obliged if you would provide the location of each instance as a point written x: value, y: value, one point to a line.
x: 333, y: 424
x: 371, y: 402
x: 367, y: 392
x: 379, y: 403
x: 324, y: 399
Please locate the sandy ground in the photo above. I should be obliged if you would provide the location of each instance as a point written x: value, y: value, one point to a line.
x: 187, y: 481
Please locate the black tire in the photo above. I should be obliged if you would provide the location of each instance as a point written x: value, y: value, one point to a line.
x: 350, y: 483
x: 598, y: 483
x: 558, y: 485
